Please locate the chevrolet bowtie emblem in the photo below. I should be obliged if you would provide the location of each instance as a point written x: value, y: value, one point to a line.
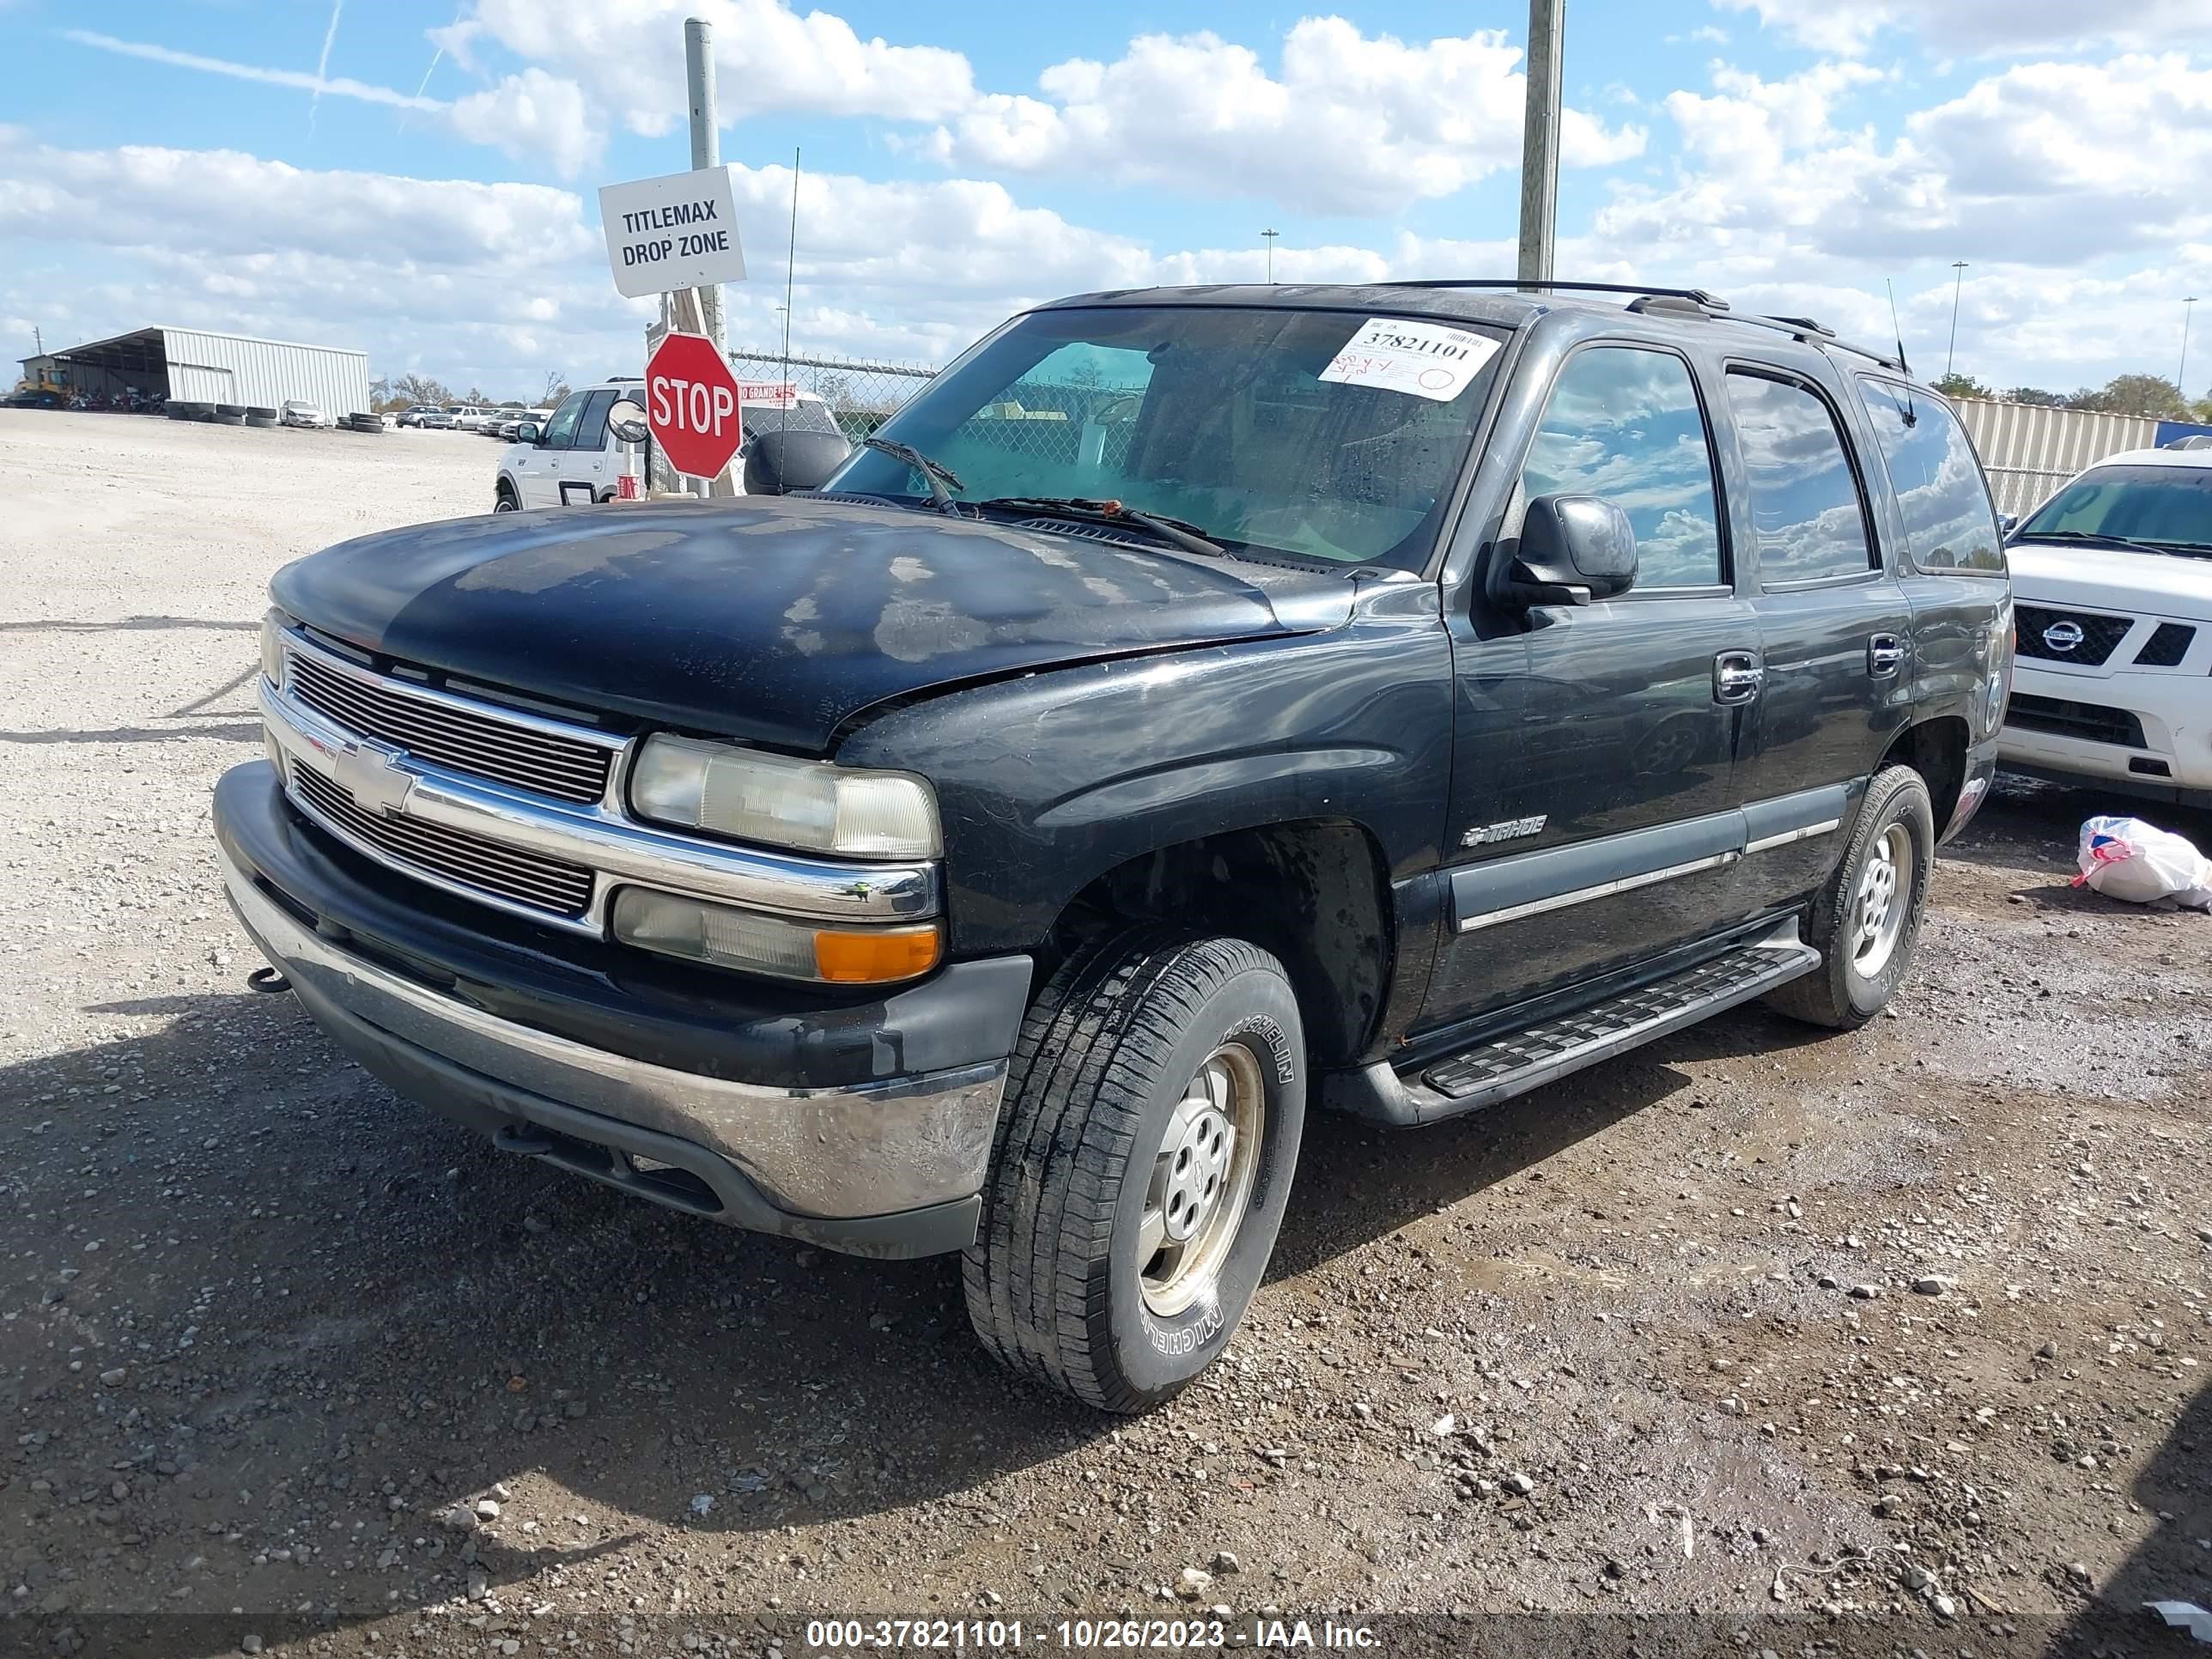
x: 371, y: 775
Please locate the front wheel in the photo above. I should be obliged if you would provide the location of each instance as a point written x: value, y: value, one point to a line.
x: 503, y: 500
x: 1866, y: 923
x: 1144, y: 1160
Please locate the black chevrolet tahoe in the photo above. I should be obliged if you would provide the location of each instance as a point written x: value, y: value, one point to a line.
x: 1195, y: 705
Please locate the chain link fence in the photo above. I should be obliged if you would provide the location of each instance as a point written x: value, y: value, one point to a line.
x: 860, y: 395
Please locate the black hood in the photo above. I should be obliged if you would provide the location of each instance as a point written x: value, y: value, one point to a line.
x: 774, y: 620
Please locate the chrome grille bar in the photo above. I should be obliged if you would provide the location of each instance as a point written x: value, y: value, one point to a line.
x: 568, y: 763
x: 511, y: 873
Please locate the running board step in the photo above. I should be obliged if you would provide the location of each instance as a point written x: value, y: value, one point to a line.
x: 1514, y: 1062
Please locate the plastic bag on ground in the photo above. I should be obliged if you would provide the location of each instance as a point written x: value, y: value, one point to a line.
x: 2128, y: 859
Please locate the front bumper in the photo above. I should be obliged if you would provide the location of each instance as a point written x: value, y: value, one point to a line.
x: 865, y: 1129
x: 2143, y: 734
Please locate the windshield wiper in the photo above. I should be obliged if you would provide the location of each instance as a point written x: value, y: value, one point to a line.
x: 1187, y: 536
x: 2101, y: 537
x: 934, y: 474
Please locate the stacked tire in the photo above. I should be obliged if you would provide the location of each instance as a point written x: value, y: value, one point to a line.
x: 360, y: 422
x: 230, y: 415
x: 190, y: 411
x: 263, y: 418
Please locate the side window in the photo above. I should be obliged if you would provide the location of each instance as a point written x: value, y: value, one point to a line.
x: 560, y: 430
x: 1804, y: 502
x: 1625, y: 424
x: 591, y: 427
x: 1949, y: 523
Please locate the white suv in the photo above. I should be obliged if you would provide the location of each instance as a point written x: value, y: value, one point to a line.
x: 574, y: 460
x: 2112, y: 587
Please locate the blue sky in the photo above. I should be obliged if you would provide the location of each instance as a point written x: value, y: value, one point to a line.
x: 418, y: 179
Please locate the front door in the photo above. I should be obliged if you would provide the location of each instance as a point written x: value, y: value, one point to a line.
x: 1835, y: 628
x: 538, y: 473
x: 1594, y: 820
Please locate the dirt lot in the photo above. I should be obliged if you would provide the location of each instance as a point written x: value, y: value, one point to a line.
x: 1638, y: 1360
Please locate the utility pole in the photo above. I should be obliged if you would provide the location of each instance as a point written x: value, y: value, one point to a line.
x: 1268, y: 237
x: 2180, y: 375
x: 1958, y: 282
x: 1539, y: 140
x: 706, y: 152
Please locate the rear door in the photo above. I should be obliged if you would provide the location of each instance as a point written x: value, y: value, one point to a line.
x: 1593, y: 821
x: 1834, y: 628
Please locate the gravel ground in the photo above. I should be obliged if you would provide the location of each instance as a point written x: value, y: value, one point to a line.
x: 1898, y: 1336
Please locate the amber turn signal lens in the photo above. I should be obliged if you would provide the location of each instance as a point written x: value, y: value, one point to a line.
x: 877, y: 955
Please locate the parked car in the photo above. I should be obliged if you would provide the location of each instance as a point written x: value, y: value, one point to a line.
x: 2114, y: 580
x: 414, y: 413
x: 435, y: 420
x: 574, y: 459
x: 297, y: 412
x: 1192, y: 705
x: 511, y: 420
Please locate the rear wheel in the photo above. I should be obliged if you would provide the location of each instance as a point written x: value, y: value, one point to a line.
x: 1866, y: 923
x: 1152, y: 1120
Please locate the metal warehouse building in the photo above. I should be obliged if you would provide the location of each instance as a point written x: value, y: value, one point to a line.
x: 190, y: 367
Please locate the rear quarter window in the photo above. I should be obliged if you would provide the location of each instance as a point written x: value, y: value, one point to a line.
x: 1950, y: 523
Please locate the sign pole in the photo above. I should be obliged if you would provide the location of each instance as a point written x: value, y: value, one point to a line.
x: 706, y: 152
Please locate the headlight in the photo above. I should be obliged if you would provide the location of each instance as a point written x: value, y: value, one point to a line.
x: 804, y: 804
x: 759, y: 944
x: 272, y: 648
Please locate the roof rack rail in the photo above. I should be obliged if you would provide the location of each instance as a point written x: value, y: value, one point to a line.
x: 1675, y: 302
x: 1708, y: 301
x: 1805, y: 329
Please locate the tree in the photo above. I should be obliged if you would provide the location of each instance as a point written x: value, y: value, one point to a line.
x: 421, y: 389
x: 2134, y: 394
x: 556, y: 389
x: 379, y: 392
x: 1961, y: 385
x: 477, y: 395
x: 2035, y: 395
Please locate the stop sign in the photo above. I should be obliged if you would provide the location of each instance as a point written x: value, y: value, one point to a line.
x: 691, y: 404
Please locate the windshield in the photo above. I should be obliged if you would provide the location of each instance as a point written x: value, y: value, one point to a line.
x: 1328, y: 434
x: 2168, y: 506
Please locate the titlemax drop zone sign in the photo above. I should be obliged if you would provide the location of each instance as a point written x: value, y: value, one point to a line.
x: 680, y: 231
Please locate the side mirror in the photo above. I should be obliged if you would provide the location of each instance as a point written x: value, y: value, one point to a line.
x: 626, y: 420
x: 780, y: 462
x: 1574, y: 549
x: 2006, y: 523
x: 526, y: 432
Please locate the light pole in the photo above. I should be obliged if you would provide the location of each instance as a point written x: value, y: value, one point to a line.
x: 2181, y: 374
x: 1957, y: 282
x: 1539, y: 141
x: 1268, y: 237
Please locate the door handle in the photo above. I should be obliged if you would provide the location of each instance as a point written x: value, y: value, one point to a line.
x: 1885, y: 655
x: 1737, y: 677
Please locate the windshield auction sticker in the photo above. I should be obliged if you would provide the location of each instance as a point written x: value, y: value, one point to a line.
x: 1424, y: 360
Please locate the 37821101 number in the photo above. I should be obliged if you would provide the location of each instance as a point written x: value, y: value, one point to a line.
x: 894, y: 1635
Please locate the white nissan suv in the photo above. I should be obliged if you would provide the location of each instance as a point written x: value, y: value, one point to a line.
x: 2112, y: 586
x: 574, y: 460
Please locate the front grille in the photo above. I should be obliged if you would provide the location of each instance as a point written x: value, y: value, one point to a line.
x: 2100, y: 634
x: 2166, y: 646
x: 489, y: 866
x: 568, y: 769
x: 2091, y: 722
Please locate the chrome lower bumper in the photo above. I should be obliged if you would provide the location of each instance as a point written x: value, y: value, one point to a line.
x: 864, y: 1150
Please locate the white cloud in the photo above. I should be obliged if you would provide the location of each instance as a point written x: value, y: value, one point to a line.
x: 767, y: 59
x: 533, y: 116
x: 1352, y: 124
x: 1995, y: 27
